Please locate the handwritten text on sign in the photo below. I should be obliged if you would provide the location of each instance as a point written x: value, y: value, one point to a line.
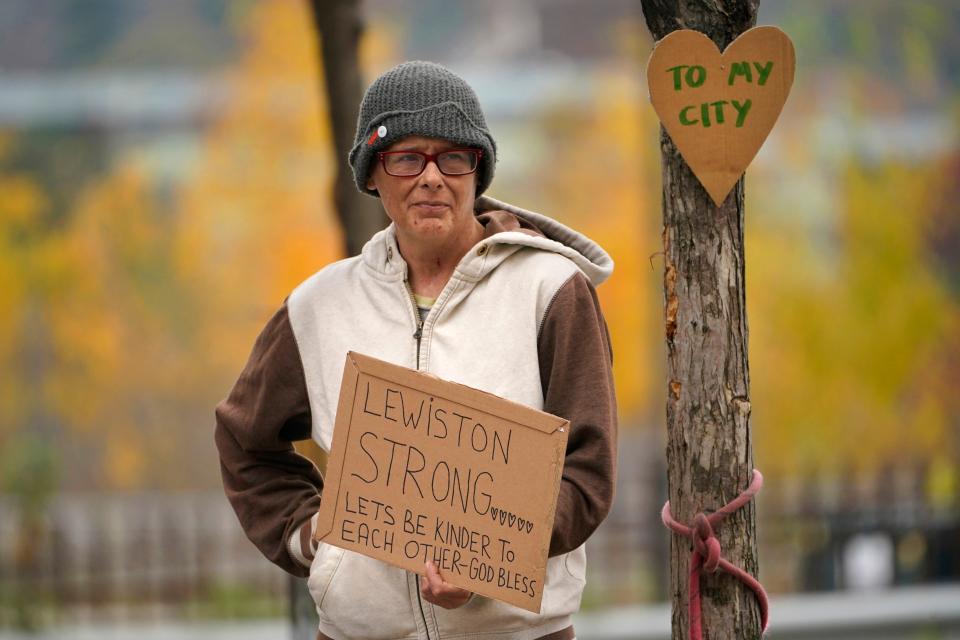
x: 718, y: 109
x: 695, y: 75
x: 423, y: 469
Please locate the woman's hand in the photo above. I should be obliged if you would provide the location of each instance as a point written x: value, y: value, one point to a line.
x: 440, y: 593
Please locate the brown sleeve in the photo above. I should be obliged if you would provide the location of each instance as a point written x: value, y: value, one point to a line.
x: 575, y: 371
x: 272, y: 488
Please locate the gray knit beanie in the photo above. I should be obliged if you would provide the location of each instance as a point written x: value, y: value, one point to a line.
x: 420, y: 99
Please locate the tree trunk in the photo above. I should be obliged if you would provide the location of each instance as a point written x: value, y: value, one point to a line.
x: 339, y: 26
x: 709, y: 451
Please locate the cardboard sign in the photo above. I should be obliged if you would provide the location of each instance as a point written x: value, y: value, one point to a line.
x: 718, y: 109
x: 423, y: 469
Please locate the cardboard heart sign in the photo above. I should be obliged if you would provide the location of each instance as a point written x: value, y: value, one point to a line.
x: 718, y: 109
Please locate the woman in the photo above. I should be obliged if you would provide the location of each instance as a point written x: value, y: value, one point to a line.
x: 471, y: 289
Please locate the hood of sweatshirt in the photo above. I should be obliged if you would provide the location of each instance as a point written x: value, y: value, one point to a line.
x: 508, y: 229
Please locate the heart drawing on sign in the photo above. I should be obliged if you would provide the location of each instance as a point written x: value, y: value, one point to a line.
x: 719, y: 108
x: 511, y: 519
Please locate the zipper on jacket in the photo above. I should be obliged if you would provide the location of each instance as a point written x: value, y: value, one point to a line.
x: 426, y: 627
x: 418, y: 334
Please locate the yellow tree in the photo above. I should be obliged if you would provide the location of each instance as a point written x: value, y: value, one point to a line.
x: 21, y: 238
x: 163, y: 294
x: 593, y: 171
x: 28, y: 465
x: 852, y: 335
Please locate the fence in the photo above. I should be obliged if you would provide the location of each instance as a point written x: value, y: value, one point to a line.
x: 88, y: 559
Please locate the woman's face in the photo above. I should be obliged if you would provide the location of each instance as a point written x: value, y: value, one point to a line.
x: 430, y: 208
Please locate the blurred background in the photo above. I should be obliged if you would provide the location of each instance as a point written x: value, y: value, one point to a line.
x: 166, y: 178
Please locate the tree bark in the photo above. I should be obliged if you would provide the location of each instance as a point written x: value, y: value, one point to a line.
x: 339, y: 26
x: 709, y: 450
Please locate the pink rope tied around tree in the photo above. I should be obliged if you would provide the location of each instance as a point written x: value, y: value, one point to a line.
x: 706, y: 555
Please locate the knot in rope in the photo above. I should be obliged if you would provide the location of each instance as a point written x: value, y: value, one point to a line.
x: 706, y: 543
x: 706, y: 554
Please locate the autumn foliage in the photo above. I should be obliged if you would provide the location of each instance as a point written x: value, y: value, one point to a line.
x: 129, y: 310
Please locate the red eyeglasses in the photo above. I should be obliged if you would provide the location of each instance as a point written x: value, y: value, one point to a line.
x: 454, y: 162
